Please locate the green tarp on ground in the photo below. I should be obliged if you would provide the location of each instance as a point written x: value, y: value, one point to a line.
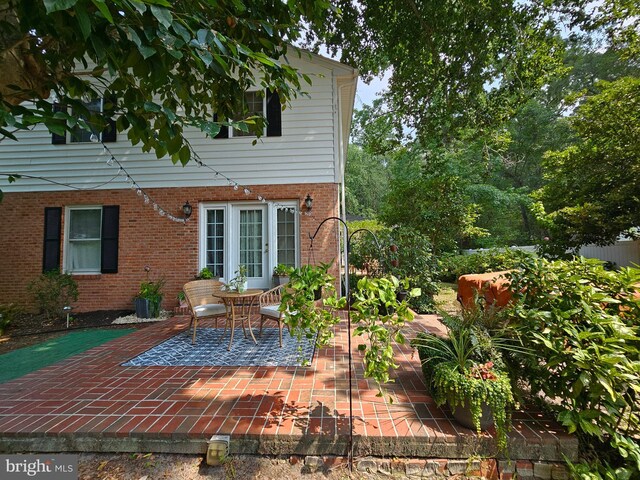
x: 29, y: 359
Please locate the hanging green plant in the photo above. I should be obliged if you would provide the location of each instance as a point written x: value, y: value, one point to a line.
x: 379, y: 318
x: 305, y: 314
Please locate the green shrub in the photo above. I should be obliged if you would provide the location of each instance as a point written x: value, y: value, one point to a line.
x: 466, y: 369
x: 204, y: 274
x: 582, y: 323
x: 8, y: 313
x: 452, y: 266
x: 413, y: 260
x: 52, y: 292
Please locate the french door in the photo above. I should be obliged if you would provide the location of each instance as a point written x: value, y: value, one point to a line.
x: 256, y: 235
x: 250, y: 246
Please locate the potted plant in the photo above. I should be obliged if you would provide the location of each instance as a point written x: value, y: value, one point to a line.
x: 281, y: 274
x: 204, y: 274
x: 182, y: 299
x: 465, y: 370
x: 147, y: 300
x: 239, y: 282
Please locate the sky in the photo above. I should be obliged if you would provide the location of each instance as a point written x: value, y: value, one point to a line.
x: 366, y: 94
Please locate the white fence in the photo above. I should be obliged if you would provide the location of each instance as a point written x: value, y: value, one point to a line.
x: 524, y: 248
x: 624, y: 253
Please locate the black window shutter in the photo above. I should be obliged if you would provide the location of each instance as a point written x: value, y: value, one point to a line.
x: 55, y: 138
x: 52, y: 229
x: 224, y: 130
x: 109, y: 243
x: 110, y: 134
x: 274, y: 114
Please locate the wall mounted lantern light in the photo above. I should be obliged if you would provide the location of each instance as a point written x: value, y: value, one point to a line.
x: 308, y: 202
x: 187, y: 209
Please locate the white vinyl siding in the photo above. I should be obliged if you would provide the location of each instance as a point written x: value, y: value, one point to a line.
x: 305, y: 153
x: 83, y: 239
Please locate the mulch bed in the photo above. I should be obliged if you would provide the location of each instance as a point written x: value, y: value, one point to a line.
x: 30, y: 329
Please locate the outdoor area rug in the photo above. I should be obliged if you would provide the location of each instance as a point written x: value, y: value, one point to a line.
x: 211, y: 350
x: 29, y: 359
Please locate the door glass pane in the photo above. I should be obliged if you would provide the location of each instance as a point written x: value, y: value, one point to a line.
x: 215, y: 242
x: 286, y: 238
x: 251, y: 241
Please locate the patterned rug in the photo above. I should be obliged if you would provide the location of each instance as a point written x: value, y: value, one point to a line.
x: 211, y: 350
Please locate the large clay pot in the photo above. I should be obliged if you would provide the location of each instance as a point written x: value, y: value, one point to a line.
x: 463, y: 417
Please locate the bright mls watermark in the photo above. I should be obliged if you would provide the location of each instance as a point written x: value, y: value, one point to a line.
x: 49, y: 467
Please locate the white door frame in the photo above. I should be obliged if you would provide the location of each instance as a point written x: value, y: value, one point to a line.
x: 231, y: 237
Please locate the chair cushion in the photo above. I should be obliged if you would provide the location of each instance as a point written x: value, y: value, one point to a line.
x: 209, y: 310
x: 270, y: 311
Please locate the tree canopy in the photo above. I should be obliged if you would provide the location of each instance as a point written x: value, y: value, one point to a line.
x: 451, y: 64
x: 592, y: 193
x: 162, y: 65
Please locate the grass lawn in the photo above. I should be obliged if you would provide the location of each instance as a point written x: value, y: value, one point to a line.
x: 29, y: 359
x: 446, y: 298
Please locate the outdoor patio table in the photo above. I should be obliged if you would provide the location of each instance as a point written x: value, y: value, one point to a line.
x: 245, y: 301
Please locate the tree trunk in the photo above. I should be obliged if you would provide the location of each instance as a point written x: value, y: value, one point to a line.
x: 18, y: 66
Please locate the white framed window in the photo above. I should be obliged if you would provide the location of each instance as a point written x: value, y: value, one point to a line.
x: 83, y: 239
x: 79, y: 135
x: 256, y: 104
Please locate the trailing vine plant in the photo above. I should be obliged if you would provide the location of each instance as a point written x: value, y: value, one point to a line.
x: 474, y: 387
x: 309, y: 303
x: 379, y: 318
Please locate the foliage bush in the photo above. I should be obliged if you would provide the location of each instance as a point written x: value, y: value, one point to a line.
x: 466, y: 369
x: 52, y: 292
x: 581, y: 322
x: 452, y: 266
x: 413, y: 260
x: 152, y: 291
x: 8, y: 313
x: 204, y: 274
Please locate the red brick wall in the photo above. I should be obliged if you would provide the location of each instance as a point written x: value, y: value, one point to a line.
x: 169, y: 248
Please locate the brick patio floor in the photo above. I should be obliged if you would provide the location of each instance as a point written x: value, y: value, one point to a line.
x: 89, y: 402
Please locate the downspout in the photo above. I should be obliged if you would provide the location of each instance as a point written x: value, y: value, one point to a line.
x: 343, y: 202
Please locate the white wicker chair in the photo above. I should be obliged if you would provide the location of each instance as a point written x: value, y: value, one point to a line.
x: 202, y: 303
x: 269, y: 303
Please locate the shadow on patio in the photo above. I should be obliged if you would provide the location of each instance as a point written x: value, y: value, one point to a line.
x: 90, y: 402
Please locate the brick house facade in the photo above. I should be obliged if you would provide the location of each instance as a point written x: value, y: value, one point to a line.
x: 307, y: 158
